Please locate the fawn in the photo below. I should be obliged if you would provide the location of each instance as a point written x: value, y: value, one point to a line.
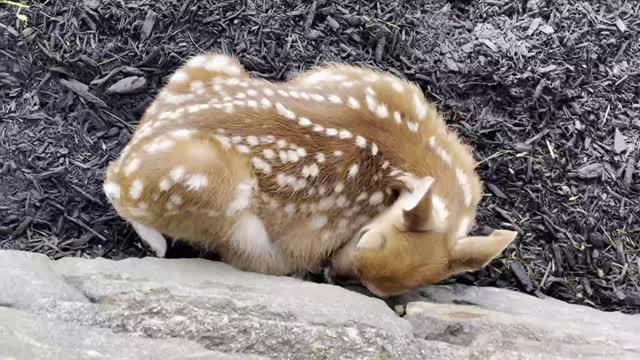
x: 341, y: 164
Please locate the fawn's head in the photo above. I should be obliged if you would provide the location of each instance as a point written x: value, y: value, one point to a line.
x: 405, y: 248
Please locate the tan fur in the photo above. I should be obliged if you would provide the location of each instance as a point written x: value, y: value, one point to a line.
x: 350, y: 131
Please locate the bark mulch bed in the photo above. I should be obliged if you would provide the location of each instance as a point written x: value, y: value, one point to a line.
x: 547, y: 92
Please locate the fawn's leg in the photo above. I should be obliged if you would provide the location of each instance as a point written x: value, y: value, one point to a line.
x: 151, y: 237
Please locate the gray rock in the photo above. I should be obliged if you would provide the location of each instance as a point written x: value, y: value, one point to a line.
x: 502, y: 324
x: 197, y: 309
x: 217, y: 307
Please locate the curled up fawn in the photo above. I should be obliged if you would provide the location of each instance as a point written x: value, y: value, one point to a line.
x: 340, y: 165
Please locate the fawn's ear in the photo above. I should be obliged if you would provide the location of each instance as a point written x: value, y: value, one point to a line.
x: 416, y: 202
x: 475, y: 252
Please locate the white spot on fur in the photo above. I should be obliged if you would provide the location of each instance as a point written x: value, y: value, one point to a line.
x: 252, y: 92
x: 376, y: 198
x: 268, y: 153
x: 318, y: 222
x: 268, y: 92
x: 385, y: 164
x: 304, y: 122
x: 353, y: 170
x: 165, y: 184
x: 311, y: 170
x: 243, y: 149
x: 133, y: 165
x: 282, y: 93
x: 439, y: 151
x: 159, y: 145
x: 252, y: 140
x: 363, y: 196
x: 341, y: 201
x: 224, y: 141
x: 261, y: 165
x: 242, y: 197
x: 353, y: 103
x: 282, y: 110
x: 420, y: 107
x: 290, y: 209
x: 338, y: 153
x: 282, y: 143
x: 301, y: 152
x: 345, y: 134
x: 283, y: 156
x: 183, y: 134
x: 176, y: 199
x: 374, y: 149
x: 252, y: 104
x: 268, y: 139
x: 180, y: 77
x: 397, y: 87
x: 332, y: 132
x: 177, y: 173
x: 111, y: 190
x: 382, y: 111
x: 397, y: 117
x: 293, y: 155
x: 326, y: 203
x: 135, y: 191
x: 266, y: 103
x: 361, y: 141
x: 339, y: 187
x: 369, y: 90
x: 334, y: 99
x: 317, y: 97
x: 440, y: 212
x: 197, y: 182
x: 413, y: 126
x: 320, y: 157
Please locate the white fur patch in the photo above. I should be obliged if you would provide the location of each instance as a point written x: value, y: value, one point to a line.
x: 353, y: 170
x: 282, y: 110
x: 135, y: 191
x: 353, y: 103
x: 177, y: 173
x: 361, y: 141
x: 111, y: 190
x: 151, y: 237
x: 133, y: 165
x: 304, y: 122
x: 440, y: 212
x: 318, y: 222
x: 345, y: 134
x: 242, y: 197
x: 420, y: 107
x: 180, y: 76
x: 197, y: 182
x: 159, y: 145
x: 261, y: 165
x: 250, y: 237
x: 376, y: 198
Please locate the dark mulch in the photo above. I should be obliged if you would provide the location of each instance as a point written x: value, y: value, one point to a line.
x: 547, y: 91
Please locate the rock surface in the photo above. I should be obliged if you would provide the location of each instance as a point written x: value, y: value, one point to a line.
x: 197, y: 309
